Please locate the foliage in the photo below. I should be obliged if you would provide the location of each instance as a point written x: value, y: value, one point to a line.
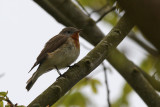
x: 100, y: 6
x: 111, y: 18
x: 152, y: 64
x: 93, y: 4
x: 75, y: 97
x: 123, y: 98
x: 3, y: 97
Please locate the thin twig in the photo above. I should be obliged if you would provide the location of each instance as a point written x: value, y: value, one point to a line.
x: 82, y: 7
x: 105, y: 13
x: 106, y: 82
x: 143, y: 45
x: 10, y: 102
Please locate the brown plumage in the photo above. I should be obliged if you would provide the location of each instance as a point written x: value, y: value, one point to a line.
x: 50, y: 46
x: 59, y: 52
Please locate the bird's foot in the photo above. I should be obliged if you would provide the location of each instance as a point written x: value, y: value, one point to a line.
x: 61, y: 76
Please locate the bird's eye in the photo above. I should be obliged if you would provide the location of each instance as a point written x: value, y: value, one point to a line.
x: 68, y: 31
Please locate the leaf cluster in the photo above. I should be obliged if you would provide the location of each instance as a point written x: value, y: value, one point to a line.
x: 76, y: 97
x: 3, y: 97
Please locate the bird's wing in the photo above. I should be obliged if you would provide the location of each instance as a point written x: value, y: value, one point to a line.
x: 50, y: 46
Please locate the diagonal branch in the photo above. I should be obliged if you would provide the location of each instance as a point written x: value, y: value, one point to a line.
x: 82, y: 7
x: 83, y: 67
x: 70, y: 15
x: 66, y: 13
x: 137, y: 78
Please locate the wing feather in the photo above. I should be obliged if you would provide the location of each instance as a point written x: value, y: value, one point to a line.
x: 54, y: 43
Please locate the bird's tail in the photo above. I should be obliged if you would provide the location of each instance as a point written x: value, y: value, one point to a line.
x: 32, y: 80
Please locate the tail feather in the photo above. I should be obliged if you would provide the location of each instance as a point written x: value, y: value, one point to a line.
x: 34, y: 77
x: 29, y: 85
x: 31, y: 81
x: 35, y: 64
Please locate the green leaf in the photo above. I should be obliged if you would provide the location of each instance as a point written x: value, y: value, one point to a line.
x: 157, y: 69
x: 94, y: 89
x: 93, y: 4
x: 2, y: 98
x: 148, y: 63
x: 123, y: 99
x: 152, y: 64
x: 3, y: 94
x: 157, y: 65
x: 102, y: 6
x: 76, y: 99
x: 1, y: 103
x: 111, y: 18
x: 97, y: 82
x: 94, y: 84
x: 82, y: 83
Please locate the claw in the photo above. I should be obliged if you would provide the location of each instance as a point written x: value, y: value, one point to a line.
x: 61, y: 76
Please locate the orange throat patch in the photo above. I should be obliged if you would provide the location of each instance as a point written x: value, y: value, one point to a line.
x: 75, y: 37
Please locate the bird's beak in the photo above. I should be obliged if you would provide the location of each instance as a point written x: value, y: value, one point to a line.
x: 79, y: 30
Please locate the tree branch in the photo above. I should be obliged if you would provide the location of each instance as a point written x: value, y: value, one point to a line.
x: 70, y: 15
x: 82, y: 7
x: 66, y: 13
x: 83, y: 67
x: 135, y: 78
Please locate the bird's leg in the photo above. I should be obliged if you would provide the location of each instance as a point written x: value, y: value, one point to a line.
x: 60, y: 75
x: 58, y: 71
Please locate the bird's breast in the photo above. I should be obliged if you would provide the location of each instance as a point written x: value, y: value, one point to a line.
x: 65, y: 55
x: 75, y: 37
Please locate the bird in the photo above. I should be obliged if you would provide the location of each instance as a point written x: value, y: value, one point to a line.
x: 59, y: 52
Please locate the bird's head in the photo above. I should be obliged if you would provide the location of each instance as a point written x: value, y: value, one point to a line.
x: 70, y: 31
